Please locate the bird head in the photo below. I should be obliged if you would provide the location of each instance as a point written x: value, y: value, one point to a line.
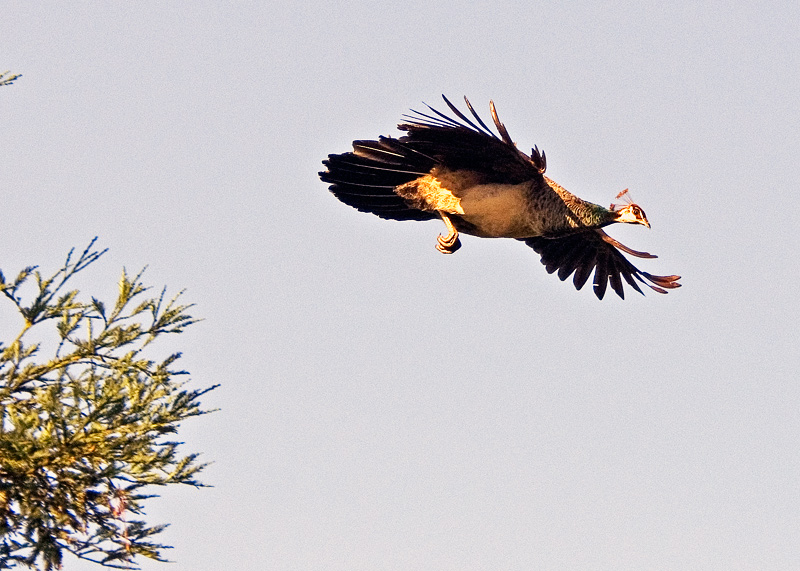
x: 631, y: 214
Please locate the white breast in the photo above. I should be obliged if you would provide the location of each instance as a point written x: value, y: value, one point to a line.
x: 499, y: 210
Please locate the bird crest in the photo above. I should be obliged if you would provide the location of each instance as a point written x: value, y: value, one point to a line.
x: 625, y: 198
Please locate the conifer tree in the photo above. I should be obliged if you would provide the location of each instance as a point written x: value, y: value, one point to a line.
x: 88, y: 433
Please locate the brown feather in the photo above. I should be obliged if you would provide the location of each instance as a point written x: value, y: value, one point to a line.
x: 500, y: 127
x: 619, y: 246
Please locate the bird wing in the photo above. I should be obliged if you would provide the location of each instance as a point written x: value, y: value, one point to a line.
x: 366, y: 178
x: 589, y: 250
x: 462, y: 143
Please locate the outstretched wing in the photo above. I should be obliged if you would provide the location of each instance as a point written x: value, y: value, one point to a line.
x: 366, y: 178
x: 463, y: 143
x: 583, y: 252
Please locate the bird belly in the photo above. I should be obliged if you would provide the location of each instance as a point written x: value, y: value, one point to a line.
x: 500, y: 211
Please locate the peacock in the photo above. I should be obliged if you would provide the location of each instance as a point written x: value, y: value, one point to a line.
x: 458, y: 170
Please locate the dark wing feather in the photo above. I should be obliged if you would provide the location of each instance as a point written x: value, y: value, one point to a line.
x: 366, y: 178
x: 583, y: 252
x: 461, y: 144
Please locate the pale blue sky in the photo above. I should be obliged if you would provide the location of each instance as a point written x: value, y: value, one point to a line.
x: 385, y: 407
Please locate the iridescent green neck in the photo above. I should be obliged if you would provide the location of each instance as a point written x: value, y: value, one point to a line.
x: 581, y: 212
x: 594, y: 215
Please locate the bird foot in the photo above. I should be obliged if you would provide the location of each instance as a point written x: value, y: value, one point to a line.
x: 448, y: 244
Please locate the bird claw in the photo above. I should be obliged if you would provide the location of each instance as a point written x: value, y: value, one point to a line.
x: 448, y: 244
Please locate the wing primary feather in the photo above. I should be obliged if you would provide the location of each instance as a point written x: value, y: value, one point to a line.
x: 624, y: 248
x: 601, y: 277
x: 656, y: 288
x: 408, y: 149
x: 631, y: 282
x: 638, y: 275
x: 362, y: 168
x: 500, y: 127
x: 380, y: 149
x: 583, y: 271
x: 478, y: 118
x: 382, y: 158
x: 463, y: 117
x: 570, y: 262
x: 555, y: 254
x: 614, y: 279
x: 431, y: 120
x: 450, y: 120
x: 353, y: 191
x: 670, y: 282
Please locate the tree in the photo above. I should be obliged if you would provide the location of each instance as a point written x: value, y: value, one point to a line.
x: 85, y: 434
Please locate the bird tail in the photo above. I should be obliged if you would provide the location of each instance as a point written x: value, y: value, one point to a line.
x: 366, y: 178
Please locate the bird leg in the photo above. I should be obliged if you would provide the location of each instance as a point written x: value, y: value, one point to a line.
x: 450, y: 243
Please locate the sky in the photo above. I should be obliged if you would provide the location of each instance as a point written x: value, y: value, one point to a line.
x: 385, y: 407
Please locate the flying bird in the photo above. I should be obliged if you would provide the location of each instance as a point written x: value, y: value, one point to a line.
x: 458, y: 170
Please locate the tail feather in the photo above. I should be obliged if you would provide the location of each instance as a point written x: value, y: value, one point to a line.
x: 366, y: 178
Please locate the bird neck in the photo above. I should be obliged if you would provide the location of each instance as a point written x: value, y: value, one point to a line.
x: 581, y: 212
x: 593, y: 215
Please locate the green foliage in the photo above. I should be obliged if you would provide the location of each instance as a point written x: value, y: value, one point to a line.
x: 6, y: 79
x: 83, y: 434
